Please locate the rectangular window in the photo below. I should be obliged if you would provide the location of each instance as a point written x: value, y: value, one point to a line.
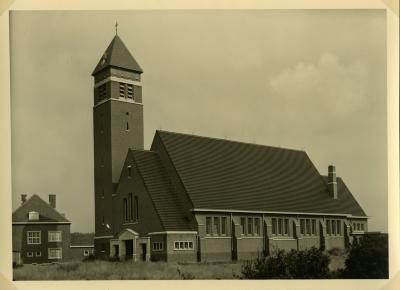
x: 243, y: 225
x: 308, y: 226
x: 33, y: 216
x: 158, y: 246
x: 328, y: 227
x: 279, y: 226
x: 129, y: 170
x: 131, y: 206
x: 223, y: 225
x: 286, y: 226
x: 313, y: 227
x: 208, y: 225
x: 34, y: 237
x: 257, y: 226
x: 38, y: 254
x: 274, y: 226
x: 54, y: 236
x: 302, y: 227
x: 29, y: 254
x: 125, y: 209
x: 136, y: 208
x: 339, y: 227
x: 55, y: 253
x: 183, y: 245
x: 216, y: 226
x: 362, y: 227
x: 333, y: 227
x: 249, y: 226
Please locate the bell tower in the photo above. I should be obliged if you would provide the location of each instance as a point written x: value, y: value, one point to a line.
x: 117, y: 126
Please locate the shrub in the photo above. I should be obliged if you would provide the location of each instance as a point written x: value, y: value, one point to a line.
x: 307, y: 264
x: 368, y: 258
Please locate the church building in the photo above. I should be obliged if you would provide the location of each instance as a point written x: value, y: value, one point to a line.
x: 194, y: 198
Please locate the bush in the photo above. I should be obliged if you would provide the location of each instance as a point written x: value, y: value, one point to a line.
x: 368, y: 258
x: 308, y: 264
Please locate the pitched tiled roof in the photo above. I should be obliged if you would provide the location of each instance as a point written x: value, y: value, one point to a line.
x: 35, y: 203
x: 222, y: 174
x: 158, y: 185
x: 117, y: 55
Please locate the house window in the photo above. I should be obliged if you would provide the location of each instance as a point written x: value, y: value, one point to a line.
x: 34, y: 238
x: 243, y: 225
x: 274, y: 226
x: 249, y: 226
x: 86, y: 253
x: 286, y: 226
x: 308, y: 226
x: 257, y: 226
x: 29, y: 254
x: 55, y: 253
x: 158, y: 246
x: 223, y: 225
x: 302, y: 227
x: 216, y: 226
x: 38, y: 254
x: 136, y: 208
x: 130, y: 206
x: 33, y: 216
x: 208, y: 225
x: 129, y: 171
x: 313, y: 227
x: 183, y: 245
x: 125, y: 209
x: 54, y: 236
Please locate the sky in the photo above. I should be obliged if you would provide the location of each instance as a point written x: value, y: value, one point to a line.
x: 313, y: 80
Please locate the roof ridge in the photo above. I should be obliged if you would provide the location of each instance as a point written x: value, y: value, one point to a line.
x: 229, y: 140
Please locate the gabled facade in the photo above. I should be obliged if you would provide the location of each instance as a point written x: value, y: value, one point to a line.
x: 194, y: 198
x: 40, y: 233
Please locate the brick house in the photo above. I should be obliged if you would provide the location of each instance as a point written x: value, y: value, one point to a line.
x: 40, y: 233
x: 194, y: 198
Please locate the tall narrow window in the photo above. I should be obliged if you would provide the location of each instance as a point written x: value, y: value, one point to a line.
x: 333, y: 227
x: 223, y: 225
x: 313, y: 227
x: 127, y: 126
x: 338, y: 227
x: 136, y: 208
x: 130, y: 206
x: 243, y: 225
x: 328, y: 227
x: 302, y: 227
x: 208, y: 225
x: 308, y: 227
x: 257, y: 226
x: 279, y: 226
x: 286, y: 227
x: 125, y: 209
x: 250, y: 226
x: 129, y: 171
x: 274, y: 226
x: 362, y: 227
x: 216, y: 226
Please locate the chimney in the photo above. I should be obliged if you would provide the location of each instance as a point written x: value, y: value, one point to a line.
x: 52, y: 200
x: 332, y: 184
x: 23, y: 198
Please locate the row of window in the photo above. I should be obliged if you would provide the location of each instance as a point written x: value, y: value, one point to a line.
x: 183, y: 245
x: 358, y: 227
x: 131, y: 208
x: 35, y: 237
x: 308, y: 227
x: 250, y: 225
x: 216, y: 225
x: 53, y: 253
x: 334, y: 227
x: 158, y: 246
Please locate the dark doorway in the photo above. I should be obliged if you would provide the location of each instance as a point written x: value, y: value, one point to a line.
x: 144, y: 251
x: 128, y: 249
x: 116, y: 248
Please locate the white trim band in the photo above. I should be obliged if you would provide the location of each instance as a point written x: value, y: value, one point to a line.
x: 172, y: 232
x: 103, y: 237
x: 89, y: 246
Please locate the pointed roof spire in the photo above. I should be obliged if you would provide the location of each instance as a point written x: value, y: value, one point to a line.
x: 117, y: 55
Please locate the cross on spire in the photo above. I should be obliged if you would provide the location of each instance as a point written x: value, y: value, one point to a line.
x: 116, y: 28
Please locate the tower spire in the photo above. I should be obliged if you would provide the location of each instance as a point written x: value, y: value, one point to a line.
x: 116, y: 28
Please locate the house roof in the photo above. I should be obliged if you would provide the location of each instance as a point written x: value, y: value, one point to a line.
x: 117, y: 55
x: 223, y: 174
x: 46, y: 212
x: 160, y: 189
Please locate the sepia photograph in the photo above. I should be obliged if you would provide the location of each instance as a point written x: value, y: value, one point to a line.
x: 199, y: 144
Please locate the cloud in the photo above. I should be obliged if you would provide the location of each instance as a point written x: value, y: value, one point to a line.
x: 328, y: 89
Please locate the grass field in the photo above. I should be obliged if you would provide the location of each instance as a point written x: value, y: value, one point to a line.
x: 104, y: 270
